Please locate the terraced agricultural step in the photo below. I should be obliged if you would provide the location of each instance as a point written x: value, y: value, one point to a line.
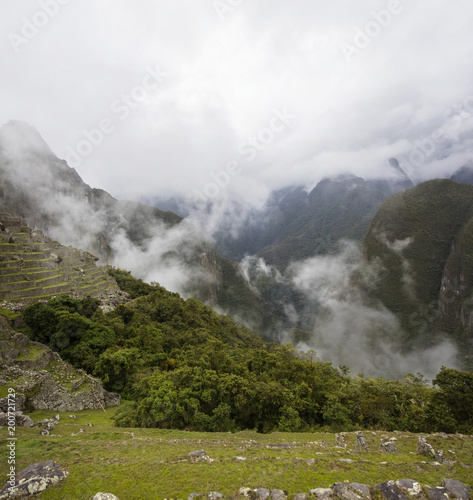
x: 36, y: 262
x: 10, y: 247
x: 18, y: 294
x: 27, y: 255
x: 10, y: 269
x: 6, y: 264
x: 36, y: 291
x: 45, y: 282
x: 22, y: 275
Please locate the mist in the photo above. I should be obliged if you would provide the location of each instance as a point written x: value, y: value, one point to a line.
x: 346, y: 328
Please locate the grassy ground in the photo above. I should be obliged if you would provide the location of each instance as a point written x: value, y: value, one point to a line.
x: 146, y: 464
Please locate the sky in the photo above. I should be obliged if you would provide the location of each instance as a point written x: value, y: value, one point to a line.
x: 219, y: 98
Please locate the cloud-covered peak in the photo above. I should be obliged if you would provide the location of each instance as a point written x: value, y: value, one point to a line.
x: 18, y: 138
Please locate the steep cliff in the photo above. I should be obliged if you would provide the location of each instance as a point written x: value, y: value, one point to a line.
x: 422, y: 240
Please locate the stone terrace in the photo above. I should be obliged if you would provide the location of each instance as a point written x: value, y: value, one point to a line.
x: 34, y: 267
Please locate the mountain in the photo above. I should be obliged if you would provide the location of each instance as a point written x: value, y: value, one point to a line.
x: 422, y: 242
x: 154, y: 244
x: 463, y: 174
x: 297, y: 224
x: 49, y: 195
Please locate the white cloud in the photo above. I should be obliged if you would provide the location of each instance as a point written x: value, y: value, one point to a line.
x: 225, y: 77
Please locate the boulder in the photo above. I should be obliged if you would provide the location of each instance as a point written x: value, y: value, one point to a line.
x: 33, y: 480
x: 351, y: 491
x: 322, y: 493
x: 260, y: 494
x: 409, y: 486
x: 387, y: 446
x: 244, y: 491
x: 360, y: 442
x: 214, y: 495
x: 278, y: 495
x: 390, y: 491
x: 457, y: 489
x: 437, y: 493
x: 20, y: 420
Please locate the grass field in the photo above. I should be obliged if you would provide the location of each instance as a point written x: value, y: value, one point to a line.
x: 146, y: 464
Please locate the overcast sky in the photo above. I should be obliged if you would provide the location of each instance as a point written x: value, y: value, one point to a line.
x: 209, y: 98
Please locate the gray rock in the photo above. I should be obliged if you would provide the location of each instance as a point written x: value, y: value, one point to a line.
x: 343, y: 491
x: 213, y: 495
x: 278, y: 495
x: 361, y: 489
x: 340, y: 440
x: 195, y: 456
x: 409, y: 486
x: 20, y: 401
x: 194, y: 495
x: 456, y: 489
x: 261, y: 493
x: 104, y: 496
x: 387, y: 446
x: 438, y: 493
x: 33, y: 480
x: 20, y: 420
x: 390, y: 491
x: 244, y: 491
x: 44, y: 432
x: 424, y: 448
x: 360, y: 442
x: 49, y: 426
x: 300, y: 496
x: 322, y: 493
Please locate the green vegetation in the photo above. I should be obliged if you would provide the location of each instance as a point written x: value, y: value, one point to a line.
x: 185, y: 367
x: 137, y: 464
x: 429, y: 282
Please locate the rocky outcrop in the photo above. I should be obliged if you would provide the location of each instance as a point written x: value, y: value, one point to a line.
x: 33, y: 480
x: 42, y: 380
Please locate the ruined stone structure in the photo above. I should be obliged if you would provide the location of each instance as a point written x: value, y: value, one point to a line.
x: 34, y: 267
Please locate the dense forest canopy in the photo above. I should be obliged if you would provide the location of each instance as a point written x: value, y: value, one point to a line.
x: 181, y: 365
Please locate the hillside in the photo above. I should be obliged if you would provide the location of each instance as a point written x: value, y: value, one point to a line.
x: 34, y: 267
x: 422, y: 239
x: 156, y: 245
